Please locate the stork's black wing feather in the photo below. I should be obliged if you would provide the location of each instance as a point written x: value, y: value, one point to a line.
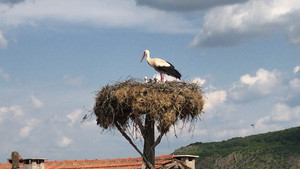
x: 171, y: 64
x: 169, y: 70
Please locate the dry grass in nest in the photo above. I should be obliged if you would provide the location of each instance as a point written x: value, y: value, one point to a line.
x: 130, y: 101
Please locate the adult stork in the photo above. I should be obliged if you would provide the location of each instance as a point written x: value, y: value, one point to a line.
x: 162, y: 66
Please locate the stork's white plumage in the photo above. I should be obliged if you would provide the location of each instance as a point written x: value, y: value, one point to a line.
x: 162, y: 66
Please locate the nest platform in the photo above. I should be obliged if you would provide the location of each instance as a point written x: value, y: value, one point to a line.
x: 129, y: 101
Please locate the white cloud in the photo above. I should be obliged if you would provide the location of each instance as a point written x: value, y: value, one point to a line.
x: 16, y: 110
x: 89, y: 123
x: 293, y: 93
x: 281, y: 112
x: 64, y: 142
x: 264, y: 80
x: 264, y: 124
x: 295, y: 84
x: 296, y: 69
x: 3, y: 41
x: 278, y: 106
x: 30, y: 124
x: 282, y: 116
x: 233, y: 24
x: 3, y: 110
x: 37, y: 103
x: 250, y: 87
x: 4, y: 75
x: 199, y: 81
x: 107, y: 14
x: 74, y: 116
x: 24, y: 132
x: 214, y: 99
x: 230, y: 125
x: 205, y: 84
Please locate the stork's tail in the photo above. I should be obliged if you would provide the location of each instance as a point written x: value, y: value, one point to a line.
x: 177, y: 74
x: 173, y: 72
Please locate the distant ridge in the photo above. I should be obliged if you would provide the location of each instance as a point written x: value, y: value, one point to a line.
x: 279, y: 149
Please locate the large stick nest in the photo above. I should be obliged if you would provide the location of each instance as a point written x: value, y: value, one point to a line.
x: 130, y: 101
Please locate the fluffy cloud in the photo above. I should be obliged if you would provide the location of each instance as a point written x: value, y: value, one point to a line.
x: 233, y: 24
x: 230, y: 111
x: 74, y: 116
x: 186, y: 5
x: 264, y: 80
x: 199, y: 81
x: 3, y: 41
x: 114, y: 13
x: 296, y: 69
x: 251, y: 87
x: 282, y: 116
x: 214, y: 99
x: 64, y: 141
x: 15, y: 110
x: 295, y: 84
x: 30, y: 124
x: 37, y: 103
x: 293, y: 94
x: 283, y: 113
x: 89, y: 123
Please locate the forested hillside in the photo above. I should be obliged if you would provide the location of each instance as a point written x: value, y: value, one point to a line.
x: 280, y: 149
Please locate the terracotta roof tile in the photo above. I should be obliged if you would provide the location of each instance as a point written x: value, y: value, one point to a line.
x: 5, y: 165
x: 118, y: 163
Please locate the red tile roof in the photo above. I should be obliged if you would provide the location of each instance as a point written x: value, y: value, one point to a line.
x: 5, y: 165
x: 125, y: 163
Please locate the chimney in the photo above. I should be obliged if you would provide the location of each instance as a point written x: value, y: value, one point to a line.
x: 188, y: 160
x: 34, y: 163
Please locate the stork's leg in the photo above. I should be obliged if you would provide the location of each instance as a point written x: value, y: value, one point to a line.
x: 161, y: 77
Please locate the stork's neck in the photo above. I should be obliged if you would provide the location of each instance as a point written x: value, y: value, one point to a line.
x: 149, y: 59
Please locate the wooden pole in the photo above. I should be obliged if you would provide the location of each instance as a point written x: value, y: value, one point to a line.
x: 149, y: 147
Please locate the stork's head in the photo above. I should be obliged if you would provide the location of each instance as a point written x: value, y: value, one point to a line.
x: 146, y: 53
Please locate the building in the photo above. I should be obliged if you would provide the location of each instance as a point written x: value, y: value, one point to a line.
x: 163, y: 162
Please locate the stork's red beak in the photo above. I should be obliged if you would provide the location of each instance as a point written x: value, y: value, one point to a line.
x: 143, y: 57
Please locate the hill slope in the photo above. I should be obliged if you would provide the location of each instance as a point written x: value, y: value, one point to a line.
x: 280, y: 149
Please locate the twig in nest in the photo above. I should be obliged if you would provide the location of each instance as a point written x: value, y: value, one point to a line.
x: 87, y: 116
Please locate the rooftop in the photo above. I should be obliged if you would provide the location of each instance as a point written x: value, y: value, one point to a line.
x: 119, y: 163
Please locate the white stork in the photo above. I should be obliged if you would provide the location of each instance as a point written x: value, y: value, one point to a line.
x: 162, y: 66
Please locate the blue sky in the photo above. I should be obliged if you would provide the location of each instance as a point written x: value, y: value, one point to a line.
x: 55, y: 55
